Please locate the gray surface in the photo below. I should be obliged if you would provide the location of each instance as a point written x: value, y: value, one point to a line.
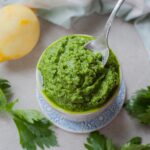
x: 136, y: 71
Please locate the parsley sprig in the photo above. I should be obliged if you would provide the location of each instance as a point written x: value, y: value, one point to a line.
x: 97, y: 141
x: 139, y: 105
x: 33, y: 128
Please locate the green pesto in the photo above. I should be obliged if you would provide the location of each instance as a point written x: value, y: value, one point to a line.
x: 74, y: 78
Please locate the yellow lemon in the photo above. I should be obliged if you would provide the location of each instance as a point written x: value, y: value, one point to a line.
x: 19, y: 31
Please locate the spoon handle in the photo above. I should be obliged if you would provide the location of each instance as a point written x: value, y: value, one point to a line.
x: 111, y: 18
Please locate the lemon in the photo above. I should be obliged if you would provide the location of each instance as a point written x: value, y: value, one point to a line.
x: 19, y: 31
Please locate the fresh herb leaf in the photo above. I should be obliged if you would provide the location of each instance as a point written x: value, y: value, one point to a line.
x: 136, y: 140
x: 139, y: 105
x: 97, y: 141
x: 34, y: 129
x: 9, y: 106
x: 5, y: 87
x: 29, y: 115
x: 135, y: 144
x: 3, y: 100
x: 5, y: 94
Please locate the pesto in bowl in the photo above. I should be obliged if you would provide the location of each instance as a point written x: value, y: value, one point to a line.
x: 74, y: 78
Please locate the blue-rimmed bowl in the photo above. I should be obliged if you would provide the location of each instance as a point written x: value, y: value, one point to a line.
x: 49, y: 108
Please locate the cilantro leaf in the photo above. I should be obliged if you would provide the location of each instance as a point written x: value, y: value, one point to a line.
x: 29, y: 115
x: 3, y: 100
x: 4, y: 104
x: 5, y: 87
x: 139, y: 105
x: 5, y: 94
x: 34, y: 130
x: 136, y: 140
x: 97, y: 141
x: 135, y: 144
x: 9, y: 106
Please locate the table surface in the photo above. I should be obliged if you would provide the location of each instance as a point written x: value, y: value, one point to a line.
x: 124, y: 40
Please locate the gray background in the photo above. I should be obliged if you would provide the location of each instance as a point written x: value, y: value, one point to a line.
x: 136, y: 72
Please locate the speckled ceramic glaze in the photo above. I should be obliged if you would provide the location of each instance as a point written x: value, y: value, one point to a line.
x: 98, y: 120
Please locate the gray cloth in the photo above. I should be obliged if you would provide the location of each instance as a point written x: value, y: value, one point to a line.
x: 65, y: 12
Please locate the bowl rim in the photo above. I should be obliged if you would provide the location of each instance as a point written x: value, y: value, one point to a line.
x: 69, y: 112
